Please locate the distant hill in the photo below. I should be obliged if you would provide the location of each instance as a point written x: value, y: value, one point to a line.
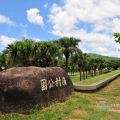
x: 102, y: 56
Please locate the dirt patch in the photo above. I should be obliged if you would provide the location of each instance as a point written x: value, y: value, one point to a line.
x: 54, y: 109
x: 74, y: 119
x: 117, y: 99
x: 76, y: 114
x: 100, y: 98
x: 17, y: 114
x: 114, y: 110
x: 91, y: 98
x: 79, y: 111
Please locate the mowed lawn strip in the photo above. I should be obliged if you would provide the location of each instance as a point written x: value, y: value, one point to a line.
x: 102, y: 105
x: 91, y: 80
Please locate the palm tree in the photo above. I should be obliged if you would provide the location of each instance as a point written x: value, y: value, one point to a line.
x: 12, y: 52
x: 91, y: 68
x: 73, y: 62
x: 21, y: 52
x: 85, y: 65
x: 68, y: 45
x: 95, y: 65
x: 80, y: 62
x: 101, y: 64
x: 27, y: 51
x: 46, y: 53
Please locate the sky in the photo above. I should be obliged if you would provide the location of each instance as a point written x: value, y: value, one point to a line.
x: 92, y: 21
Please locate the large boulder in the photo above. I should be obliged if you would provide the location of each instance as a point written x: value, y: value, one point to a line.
x: 35, y: 85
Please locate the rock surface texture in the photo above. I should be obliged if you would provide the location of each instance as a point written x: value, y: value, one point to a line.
x: 35, y: 85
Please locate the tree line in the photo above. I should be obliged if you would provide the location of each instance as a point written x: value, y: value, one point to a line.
x: 64, y: 52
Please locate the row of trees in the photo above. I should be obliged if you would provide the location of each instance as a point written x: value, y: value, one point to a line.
x: 43, y: 53
x: 63, y: 52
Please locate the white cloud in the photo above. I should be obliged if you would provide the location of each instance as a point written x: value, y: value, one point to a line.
x: 92, y: 10
x: 5, y: 40
x: 111, y: 26
x: 102, y: 15
x: 24, y: 33
x: 6, y: 20
x: 100, y: 43
x: 46, y: 5
x: 61, y: 19
x: 34, y: 17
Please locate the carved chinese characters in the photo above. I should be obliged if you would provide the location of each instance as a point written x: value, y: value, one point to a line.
x: 48, y: 84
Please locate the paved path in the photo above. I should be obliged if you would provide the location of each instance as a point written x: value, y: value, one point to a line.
x: 95, y: 86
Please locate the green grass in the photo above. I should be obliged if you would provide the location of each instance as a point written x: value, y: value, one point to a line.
x: 90, y: 80
x: 102, y: 105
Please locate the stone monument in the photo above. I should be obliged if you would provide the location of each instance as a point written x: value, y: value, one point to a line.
x: 35, y: 85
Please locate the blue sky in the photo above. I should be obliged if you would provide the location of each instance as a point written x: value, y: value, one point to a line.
x: 93, y: 21
x: 16, y: 11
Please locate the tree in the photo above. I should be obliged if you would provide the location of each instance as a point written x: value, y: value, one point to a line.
x: 86, y: 58
x: 73, y: 63
x: 30, y: 53
x: 80, y: 62
x: 68, y: 45
x: 117, y: 37
x: 46, y: 54
x: 113, y: 64
x: 2, y: 61
x: 21, y: 52
x: 101, y: 64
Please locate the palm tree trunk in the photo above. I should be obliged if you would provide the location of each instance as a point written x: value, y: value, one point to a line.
x: 95, y: 72
x: 92, y: 70
x: 80, y: 74
x: 86, y: 74
x: 71, y: 72
x: 66, y: 63
x: 83, y: 73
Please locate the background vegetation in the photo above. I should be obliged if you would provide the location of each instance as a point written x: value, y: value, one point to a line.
x: 63, y: 53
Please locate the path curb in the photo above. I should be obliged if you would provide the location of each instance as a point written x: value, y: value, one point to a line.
x: 95, y: 86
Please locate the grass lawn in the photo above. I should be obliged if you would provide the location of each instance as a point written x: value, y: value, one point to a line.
x: 102, y: 105
x: 90, y: 80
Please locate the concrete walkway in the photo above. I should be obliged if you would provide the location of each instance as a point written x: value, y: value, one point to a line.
x: 95, y: 86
